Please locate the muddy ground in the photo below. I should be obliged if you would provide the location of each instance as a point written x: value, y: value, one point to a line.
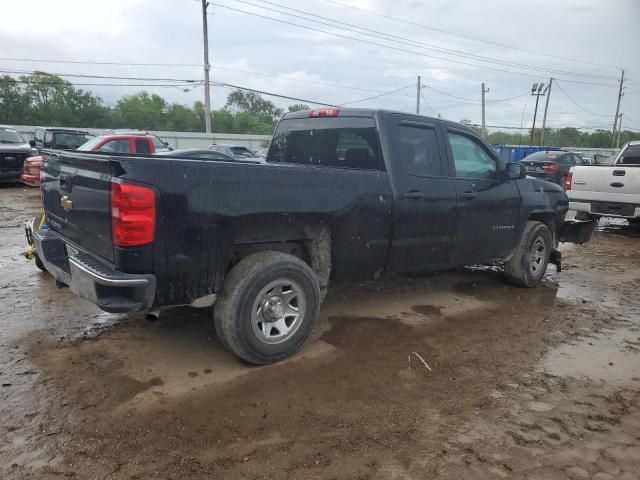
x: 457, y: 376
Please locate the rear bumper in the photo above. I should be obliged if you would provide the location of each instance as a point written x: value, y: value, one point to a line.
x: 575, y: 231
x: 90, y: 278
x: 606, y: 209
x: 553, y: 177
x: 30, y: 180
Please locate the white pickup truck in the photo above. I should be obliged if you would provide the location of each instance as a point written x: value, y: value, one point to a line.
x: 607, y: 190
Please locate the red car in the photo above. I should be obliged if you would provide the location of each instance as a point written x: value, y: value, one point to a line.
x: 112, y: 143
x: 31, y: 171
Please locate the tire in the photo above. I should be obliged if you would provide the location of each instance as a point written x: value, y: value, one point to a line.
x: 529, y: 262
x: 39, y: 263
x: 250, y: 315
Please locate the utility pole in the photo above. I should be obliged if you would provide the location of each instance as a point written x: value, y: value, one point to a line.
x: 536, y: 90
x: 418, y: 95
x: 615, y: 119
x: 546, y: 108
x: 207, y: 96
x: 619, y: 130
x: 484, y: 128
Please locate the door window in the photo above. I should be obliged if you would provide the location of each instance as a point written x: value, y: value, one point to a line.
x: 48, y: 138
x: 142, y: 146
x: 418, y: 150
x: 470, y: 159
x: 116, y: 146
x: 39, y: 135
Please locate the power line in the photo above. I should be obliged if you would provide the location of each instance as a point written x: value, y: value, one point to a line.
x: 89, y: 62
x: 577, y: 104
x: 378, y: 96
x: 427, y: 103
x: 370, y: 42
x: 215, y: 67
x: 406, y: 41
x: 468, y: 37
x: 271, y: 94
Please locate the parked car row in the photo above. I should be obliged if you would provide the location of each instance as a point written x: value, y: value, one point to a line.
x: 20, y: 160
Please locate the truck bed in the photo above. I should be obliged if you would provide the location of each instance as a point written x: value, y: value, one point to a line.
x: 206, y: 209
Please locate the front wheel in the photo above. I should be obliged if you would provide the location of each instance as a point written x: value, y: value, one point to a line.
x: 268, y: 307
x: 529, y: 262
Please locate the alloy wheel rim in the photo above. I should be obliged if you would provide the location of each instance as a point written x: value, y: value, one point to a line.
x: 278, y: 311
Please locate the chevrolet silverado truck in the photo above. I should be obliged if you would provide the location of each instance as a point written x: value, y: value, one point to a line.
x: 343, y: 194
x: 608, y: 190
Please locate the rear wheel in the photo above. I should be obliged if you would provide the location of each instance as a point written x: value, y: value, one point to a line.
x: 529, y: 262
x: 268, y: 307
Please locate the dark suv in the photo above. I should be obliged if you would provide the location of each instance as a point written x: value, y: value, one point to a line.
x: 59, y: 138
x: 13, y: 151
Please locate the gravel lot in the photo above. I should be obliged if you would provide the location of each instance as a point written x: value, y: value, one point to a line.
x: 536, y: 384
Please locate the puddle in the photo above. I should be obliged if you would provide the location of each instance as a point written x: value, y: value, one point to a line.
x: 612, y: 357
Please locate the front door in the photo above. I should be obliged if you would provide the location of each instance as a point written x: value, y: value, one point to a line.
x: 425, y: 207
x: 488, y: 204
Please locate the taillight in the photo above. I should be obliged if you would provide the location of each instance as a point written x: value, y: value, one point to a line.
x: 568, y: 180
x: 133, y: 214
x: 553, y: 167
x: 324, y: 112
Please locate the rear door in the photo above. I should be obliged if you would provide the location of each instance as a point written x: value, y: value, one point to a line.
x: 76, y: 197
x: 425, y: 205
x: 488, y: 205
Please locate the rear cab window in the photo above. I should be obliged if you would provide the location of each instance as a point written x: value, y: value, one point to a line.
x: 630, y: 156
x: 343, y: 142
x: 142, y: 145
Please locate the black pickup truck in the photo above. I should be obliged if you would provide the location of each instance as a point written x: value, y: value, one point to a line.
x: 344, y: 194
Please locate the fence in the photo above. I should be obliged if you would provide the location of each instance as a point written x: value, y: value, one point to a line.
x: 180, y: 139
x: 515, y: 153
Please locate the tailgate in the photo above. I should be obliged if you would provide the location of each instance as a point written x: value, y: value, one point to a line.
x: 76, y: 191
x: 606, y: 184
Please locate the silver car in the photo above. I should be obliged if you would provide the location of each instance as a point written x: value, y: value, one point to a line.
x: 237, y: 151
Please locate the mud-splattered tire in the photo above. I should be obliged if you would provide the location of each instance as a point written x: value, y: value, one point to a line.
x: 527, y: 265
x: 267, y: 308
x: 39, y: 263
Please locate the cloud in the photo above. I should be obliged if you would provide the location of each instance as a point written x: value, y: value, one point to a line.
x: 170, y: 31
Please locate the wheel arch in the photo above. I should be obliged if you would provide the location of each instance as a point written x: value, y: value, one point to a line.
x: 308, y: 239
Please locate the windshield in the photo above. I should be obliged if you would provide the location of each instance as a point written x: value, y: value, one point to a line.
x: 90, y: 145
x: 72, y: 140
x: 8, y: 135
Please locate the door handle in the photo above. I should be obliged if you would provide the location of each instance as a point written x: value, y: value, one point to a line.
x: 469, y: 195
x: 617, y: 184
x: 619, y: 173
x: 413, y: 194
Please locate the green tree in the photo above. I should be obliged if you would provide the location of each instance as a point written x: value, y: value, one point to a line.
x: 298, y: 107
x: 141, y: 110
x: 252, y: 103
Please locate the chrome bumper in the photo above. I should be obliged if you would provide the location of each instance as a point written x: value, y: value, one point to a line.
x: 91, y: 278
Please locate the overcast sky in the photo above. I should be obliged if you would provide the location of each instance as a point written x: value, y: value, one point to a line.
x: 601, y: 36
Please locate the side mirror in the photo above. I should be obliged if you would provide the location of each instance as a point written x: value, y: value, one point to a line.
x: 515, y: 171
x: 32, y: 143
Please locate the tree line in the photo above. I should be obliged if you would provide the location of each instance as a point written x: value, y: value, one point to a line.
x: 46, y: 99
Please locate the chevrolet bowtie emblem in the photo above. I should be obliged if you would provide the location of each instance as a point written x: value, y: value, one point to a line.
x: 66, y: 203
